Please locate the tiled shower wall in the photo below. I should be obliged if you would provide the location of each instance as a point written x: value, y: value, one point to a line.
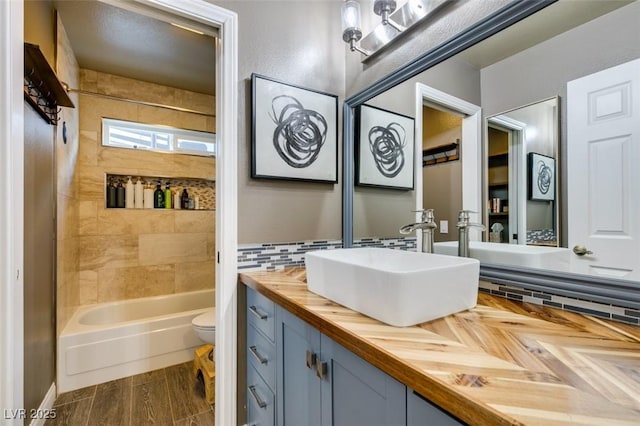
x: 67, y: 274
x: 128, y: 253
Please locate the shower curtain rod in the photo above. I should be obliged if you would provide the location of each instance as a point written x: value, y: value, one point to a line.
x: 152, y: 104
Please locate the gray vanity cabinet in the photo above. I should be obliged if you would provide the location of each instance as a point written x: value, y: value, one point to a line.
x: 322, y: 383
x: 298, y: 376
x: 421, y: 412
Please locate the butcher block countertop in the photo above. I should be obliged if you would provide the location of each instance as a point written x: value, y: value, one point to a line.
x: 502, y: 362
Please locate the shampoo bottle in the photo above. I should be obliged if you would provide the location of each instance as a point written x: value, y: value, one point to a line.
x: 176, y: 200
x: 138, y: 198
x: 184, y: 199
x: 148, y: 196
x: 130, y: 194
x: 158, y: 197
x: 167, y: 197
x: 111, y: 195
x: 120, y: 195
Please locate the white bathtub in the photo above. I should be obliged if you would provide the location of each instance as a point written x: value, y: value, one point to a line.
x: 109, y: 341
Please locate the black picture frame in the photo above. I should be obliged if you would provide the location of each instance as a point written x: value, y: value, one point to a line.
x: 384, y: 149
x: 294, y: 132
x: 541, y: 173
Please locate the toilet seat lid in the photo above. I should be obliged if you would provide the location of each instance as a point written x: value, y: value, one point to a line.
x: 206, y: 320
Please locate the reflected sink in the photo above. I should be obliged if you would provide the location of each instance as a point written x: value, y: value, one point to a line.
x: 397, y: 287
x: 555, y: 258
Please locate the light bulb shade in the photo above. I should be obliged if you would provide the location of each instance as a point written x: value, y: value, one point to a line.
x: 351, y: 17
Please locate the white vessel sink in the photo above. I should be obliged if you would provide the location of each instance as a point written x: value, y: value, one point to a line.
x: 555, y: 258
x: 397, y: 287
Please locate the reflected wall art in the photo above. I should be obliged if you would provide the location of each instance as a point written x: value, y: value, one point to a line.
x: 385, y: 148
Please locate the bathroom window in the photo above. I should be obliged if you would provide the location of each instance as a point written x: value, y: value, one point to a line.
x: 131, y: 135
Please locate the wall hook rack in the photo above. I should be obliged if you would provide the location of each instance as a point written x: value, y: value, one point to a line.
x: 42, y: 89
x: 441, y: 154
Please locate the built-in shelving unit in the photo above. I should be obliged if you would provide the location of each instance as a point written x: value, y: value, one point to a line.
x: 204, y: 189
x: 42, y: 89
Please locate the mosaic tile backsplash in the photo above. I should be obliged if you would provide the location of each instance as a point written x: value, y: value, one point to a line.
x: 600, y: 310
x: 272, y: 256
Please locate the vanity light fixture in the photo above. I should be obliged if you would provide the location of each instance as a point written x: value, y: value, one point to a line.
x: 351, y: 28
x: 394, y: 22
x: 384, y: 8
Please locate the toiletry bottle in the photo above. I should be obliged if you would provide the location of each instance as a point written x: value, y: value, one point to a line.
x: 130, y: 194
x: 196, y: 202
x: 120, y: 195
x: 184, y: 199
x: 111, y: 195
x: 158, y: 197
x: 167, y: 196
x: 138, y: 198
x: 148, y: 196
x: 191, y: 203
x: 176, y: 200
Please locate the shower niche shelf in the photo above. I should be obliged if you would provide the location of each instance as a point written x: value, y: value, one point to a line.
x: 204, y: 189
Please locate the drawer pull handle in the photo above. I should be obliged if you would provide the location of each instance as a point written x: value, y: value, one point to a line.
x: 255, y: 312
x: 259, y: 400
x: 311, y: 359
x: 321, y: 370
x: 256, y: 354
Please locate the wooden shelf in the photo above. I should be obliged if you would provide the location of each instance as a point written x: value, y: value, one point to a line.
x: 498, y: 154
x: 42, y: 89
x: 499, y: 183
x: 501, y: 214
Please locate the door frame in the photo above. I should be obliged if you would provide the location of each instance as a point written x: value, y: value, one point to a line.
x: 471, y: 149
x: 12, y: 193
x: 517, y: 172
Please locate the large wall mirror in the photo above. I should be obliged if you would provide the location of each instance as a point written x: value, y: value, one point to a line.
x: 505, y: 127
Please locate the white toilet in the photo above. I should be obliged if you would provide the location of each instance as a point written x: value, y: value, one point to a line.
x: 205, y: 326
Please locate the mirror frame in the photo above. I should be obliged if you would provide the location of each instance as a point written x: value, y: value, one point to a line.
x: 617, y: 292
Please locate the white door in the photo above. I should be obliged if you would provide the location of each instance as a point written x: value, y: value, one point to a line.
x: 603, y: 169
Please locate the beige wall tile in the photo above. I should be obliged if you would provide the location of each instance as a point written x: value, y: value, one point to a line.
x: 67, y: 224
x: 211, y: 125
x: 196, y: 167
x: 88, y: 287
x: 118, y: 159
x: 127, y: 88
x: 99, y: 252
x: 88, y: 217
x: 195, y: 276
x: 134, y: 222
x: 93, y: 109
x: 211, y: 245
x: 130, y: 283
x: 88, y: 80
x: 195, y: 221
x: 88, y: 149
x: 91, y: 183
x: 195, y: 101
x: 159, y: 249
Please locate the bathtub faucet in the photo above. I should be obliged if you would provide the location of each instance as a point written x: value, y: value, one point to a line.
x: 463, y: 232
x: 427, y: 225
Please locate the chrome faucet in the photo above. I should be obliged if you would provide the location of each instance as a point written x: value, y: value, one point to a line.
x: 463, y: 232
x: 427, y: 225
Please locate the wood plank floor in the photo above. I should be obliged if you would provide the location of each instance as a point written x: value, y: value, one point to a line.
x: 169, y: 396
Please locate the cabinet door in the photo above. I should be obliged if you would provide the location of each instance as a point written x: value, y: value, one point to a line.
x: 355, y: 392
x: 421, y: 411
x: 298, y: 385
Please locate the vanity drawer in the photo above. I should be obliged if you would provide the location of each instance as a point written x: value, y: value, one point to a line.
x: 261, y: 353
x: 260, y: 400
x: 261, y: 312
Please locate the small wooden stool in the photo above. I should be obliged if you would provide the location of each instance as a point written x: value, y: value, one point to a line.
x: 203, y: 363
